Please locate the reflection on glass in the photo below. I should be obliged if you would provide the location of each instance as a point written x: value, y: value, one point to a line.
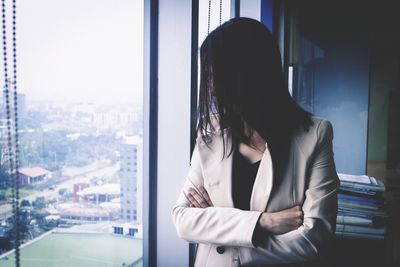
x: 331, y: 80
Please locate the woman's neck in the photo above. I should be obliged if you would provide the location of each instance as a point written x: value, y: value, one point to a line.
x: 255, y: 150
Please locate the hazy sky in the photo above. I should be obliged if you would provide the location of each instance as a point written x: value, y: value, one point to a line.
x: 89, y: 50
x: 86, y: 50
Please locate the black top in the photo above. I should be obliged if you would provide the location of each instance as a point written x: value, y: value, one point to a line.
x: 243, y: 176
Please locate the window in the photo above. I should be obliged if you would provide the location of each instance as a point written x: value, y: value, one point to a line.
x: 75, y: 40
x: 118, y: 230
x: 132, y: 231
x: 80, y: 109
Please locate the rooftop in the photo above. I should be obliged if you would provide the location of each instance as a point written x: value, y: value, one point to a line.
x: 72, y: 209
x: 33, y: 172
x: 110, y: 189
x: 133, y: 140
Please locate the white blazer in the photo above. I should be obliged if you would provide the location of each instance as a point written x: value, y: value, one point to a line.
x: 224, y: 233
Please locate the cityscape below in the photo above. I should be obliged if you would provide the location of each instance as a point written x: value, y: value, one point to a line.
x: 80, y: 177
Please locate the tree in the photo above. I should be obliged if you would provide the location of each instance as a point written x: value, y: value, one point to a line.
x: 39, y: 203
x: 25, y: 203
x: 4, y: 179
x: 3, y: 196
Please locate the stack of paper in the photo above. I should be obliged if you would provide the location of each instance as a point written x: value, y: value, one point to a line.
x: 361, y: 211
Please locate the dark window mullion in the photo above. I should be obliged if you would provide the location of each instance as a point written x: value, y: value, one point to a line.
x: 151, y: 126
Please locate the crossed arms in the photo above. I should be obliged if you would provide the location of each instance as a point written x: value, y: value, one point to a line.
x: 235, y: 227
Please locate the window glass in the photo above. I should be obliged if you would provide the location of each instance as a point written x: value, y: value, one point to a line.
x: 330, y: 78
x: 214, y: 10
x: 80, y: 105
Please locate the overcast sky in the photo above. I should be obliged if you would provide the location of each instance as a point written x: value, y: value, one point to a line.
x: 89, y: 50
x: 86, y: 50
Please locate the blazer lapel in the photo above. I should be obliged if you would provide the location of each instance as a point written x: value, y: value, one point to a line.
x: 263, y: 183
x: 217, y: 172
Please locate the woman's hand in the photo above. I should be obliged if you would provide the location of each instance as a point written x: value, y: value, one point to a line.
x: 274, y: 222
x: 282, y: 221
x: 198, y: 200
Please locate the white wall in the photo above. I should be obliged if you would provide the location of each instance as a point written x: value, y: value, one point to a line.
x: 173, y: 124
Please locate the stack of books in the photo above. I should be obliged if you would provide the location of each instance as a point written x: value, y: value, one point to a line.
x: 361, y: 207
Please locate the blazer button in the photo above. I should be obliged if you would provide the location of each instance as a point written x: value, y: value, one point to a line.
x: 220, y: 249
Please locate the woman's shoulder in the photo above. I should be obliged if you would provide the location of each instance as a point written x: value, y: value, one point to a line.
x: 212, y: 128
x: 321, y: 127
x: 320, y: 131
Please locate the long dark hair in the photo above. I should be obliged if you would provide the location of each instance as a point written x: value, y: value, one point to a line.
x: 241, y: 80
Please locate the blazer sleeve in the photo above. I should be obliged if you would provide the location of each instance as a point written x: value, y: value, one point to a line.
x: 310, y: 240
x: 213, y: 225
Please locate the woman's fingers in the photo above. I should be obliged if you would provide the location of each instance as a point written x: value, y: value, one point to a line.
x: 203, y: 191
x: 197, y: 198
x: 283, y: 221
x: 193, y: 201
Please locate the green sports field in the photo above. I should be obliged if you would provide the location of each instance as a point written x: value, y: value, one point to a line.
x: 73, y: 250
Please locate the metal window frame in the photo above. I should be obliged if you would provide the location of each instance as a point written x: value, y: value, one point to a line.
x: 193, y: 95
x: 150, y: 125
x: 169, y: 44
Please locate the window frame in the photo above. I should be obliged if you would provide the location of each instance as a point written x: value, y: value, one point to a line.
x: 150, y: 121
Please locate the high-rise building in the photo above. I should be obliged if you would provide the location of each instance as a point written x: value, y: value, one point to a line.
x: 131, y: 179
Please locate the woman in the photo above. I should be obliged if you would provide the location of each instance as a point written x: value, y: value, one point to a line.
x: 262, y: 186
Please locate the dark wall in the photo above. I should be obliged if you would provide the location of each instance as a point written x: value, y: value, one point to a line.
x: 344, y: 56
x: 332, y: 75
